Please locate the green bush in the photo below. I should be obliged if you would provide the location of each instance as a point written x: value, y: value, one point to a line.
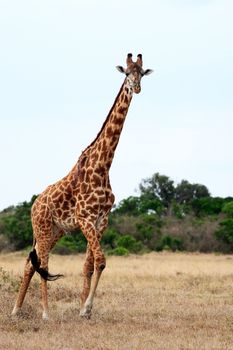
x: 16, y: 224
x: 225, y: 232
x: 128, y: 206
x: 168, y: 242
x: 207, y: 206
x: 147, y: 226
x: 228, y: 209
x: 128, y: 242
x: 149, y: 204
x: 119, y: 251
x: 180, y: 210
x: 71, y: 244
x: 109, y: 238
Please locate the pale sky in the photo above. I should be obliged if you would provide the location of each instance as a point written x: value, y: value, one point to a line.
x: 58, y: 81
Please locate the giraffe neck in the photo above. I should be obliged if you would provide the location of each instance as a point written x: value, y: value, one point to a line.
x: 102, y: 149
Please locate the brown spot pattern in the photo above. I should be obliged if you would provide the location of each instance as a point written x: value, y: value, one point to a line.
x: 81, y: 199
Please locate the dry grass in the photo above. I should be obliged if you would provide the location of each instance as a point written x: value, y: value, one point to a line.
x: 156, y: 301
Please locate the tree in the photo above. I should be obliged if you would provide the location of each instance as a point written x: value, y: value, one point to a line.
x: 135, y: 206
x: 186, y: 192
x: 160, y: 187
x: 128, y: 206
x: 207, y: 206
x: 150, y: 204
x: 16, y: 225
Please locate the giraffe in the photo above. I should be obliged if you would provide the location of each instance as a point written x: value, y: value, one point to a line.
x: 82, y: 199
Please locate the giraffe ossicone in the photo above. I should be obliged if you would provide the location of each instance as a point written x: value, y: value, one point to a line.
x: 82, y: 199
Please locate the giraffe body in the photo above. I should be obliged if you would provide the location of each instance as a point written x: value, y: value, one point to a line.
x: 82, y: 199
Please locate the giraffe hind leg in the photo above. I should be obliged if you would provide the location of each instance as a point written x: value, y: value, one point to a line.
x: 29, y: 271
x: 39, y: 258
x: 32, y: 265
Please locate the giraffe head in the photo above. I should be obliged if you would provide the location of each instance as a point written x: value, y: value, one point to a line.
x: 134, y: 72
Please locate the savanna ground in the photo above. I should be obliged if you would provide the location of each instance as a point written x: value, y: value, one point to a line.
x: 155, y: 301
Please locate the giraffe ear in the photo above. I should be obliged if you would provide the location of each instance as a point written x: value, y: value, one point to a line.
x: 121, y: 69
x: 147, y: 71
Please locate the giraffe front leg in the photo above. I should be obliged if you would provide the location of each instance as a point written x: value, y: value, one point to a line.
x: 100, y: 264
x: 92, y: 236
x: 88, y: 271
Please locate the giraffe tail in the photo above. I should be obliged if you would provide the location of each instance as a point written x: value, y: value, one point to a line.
x: 42, y: 272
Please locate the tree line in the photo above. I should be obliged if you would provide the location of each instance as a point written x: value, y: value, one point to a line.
x: 164, y: 216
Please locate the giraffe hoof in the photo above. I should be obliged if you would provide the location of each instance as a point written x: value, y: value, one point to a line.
x: 85, y: 312
x: 15, y: 311
x: 45, y: 316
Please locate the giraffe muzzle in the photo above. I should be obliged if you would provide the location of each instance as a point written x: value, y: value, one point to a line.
x: 137, y: 88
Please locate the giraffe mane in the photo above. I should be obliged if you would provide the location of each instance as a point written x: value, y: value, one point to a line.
x: 106, y: 120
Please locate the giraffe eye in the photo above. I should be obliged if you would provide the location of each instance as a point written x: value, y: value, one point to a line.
x: 127, y: 74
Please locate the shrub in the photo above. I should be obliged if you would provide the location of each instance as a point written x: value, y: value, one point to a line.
x: 128, y: 206
x: 5, y: 245
x: 228, y: 209
x: 147, y: 226
x: 207, y: 206
x: 168, y: 242
x: 149, y: 204
x: 180, y: 210
x: 8, y: 282
x: 70, y: 244
x: 128, y: 242
x: 119, y: 251
x: 225, y: 232
x: 16, y: 225
x: 109, y: 238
